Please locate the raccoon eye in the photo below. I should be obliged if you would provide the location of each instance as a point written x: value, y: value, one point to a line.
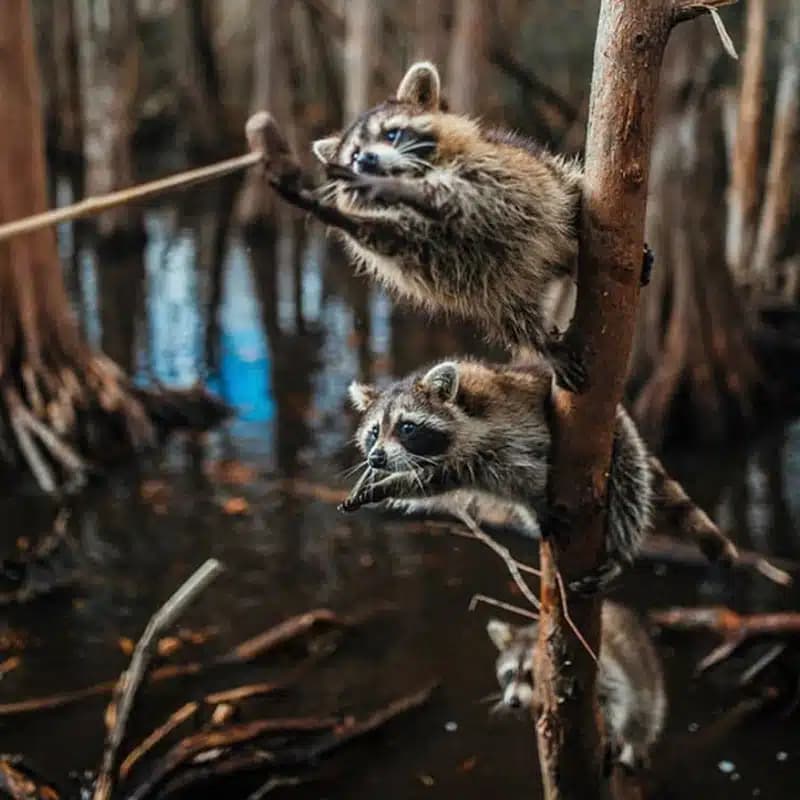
x: 507, y: 675
x: 393, y: 135
x: 527, y: 676
x: 354, y: 155
x: 407, y: 428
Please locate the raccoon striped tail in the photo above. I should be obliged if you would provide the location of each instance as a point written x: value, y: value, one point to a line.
x: 682, y: 514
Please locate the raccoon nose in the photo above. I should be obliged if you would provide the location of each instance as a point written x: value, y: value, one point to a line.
x: 377, y: 458
x: 368, y: 162
x: 514, y: 701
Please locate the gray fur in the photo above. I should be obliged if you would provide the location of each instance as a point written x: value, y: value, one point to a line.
x: 480, y: 227
x: 498, y: 444
x: 630, y: 680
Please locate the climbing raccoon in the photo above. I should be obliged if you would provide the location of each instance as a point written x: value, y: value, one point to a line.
x: 630, y: 683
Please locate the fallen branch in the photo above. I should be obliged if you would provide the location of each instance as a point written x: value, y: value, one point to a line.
x: 296, y: 756
x: 125, y: 693
x: 19, y: 782
x: 735, y: 629
x: 174, y: 720
x: 243, y: 653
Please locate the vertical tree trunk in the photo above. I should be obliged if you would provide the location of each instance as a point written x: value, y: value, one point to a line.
x: 785, y: 133
x: 361, y: 47
x: 109, y: 60
x: 693, y: 368
x: 743, y: 190
x: 67, y: 89
x: 630, y: 43
x: 58, y: 400
x: 467, y: 61
x: 199, y: 80
x: 430, y: 42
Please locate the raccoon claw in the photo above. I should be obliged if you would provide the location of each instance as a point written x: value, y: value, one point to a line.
x: 568, y: 366
x: 648, y: 259
x: 596, y: 581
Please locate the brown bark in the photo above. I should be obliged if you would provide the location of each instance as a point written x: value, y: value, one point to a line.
x: 743, y: 190
x: 109, y: 62
x: 783, y: 148
x: 361, y: 48
x: 693, y: 361
x: 67, y: 89
x: 60, y: 402
x: 467, y: 60
x: 630, y: 43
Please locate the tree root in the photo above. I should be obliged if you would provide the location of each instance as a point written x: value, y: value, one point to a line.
x: 736, y: 630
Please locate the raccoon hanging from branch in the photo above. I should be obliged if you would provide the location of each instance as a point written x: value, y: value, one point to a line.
x: 469, y: 426
x: 450, y: 215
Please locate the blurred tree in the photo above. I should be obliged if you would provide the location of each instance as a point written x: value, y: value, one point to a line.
x: 466, y: 65
x: 430, y: 30
x: 783, y: 149
x: 743, y: 190
x: 361, y: 48
x: 59, y: 401
x: 199, y: 81
x: 109, y: 62
x: 693, y: 361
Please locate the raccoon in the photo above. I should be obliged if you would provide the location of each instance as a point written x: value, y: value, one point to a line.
x: 451, y: 215
x: 629, y: 680
x: 476, y: 426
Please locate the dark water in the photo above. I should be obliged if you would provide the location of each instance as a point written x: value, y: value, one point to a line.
x: 294, y: 328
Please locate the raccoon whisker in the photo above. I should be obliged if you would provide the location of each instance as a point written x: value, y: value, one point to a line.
x: 498, y: 708
x: 347, y: 473
x: 411, y: 146
x: 490, y: 698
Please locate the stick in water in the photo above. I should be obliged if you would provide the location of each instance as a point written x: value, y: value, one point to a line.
x: 129, y: 682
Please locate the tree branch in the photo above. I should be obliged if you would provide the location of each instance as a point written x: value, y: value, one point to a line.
x: 631, y: 38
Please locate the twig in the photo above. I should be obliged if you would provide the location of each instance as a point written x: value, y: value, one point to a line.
x: 503, y: 552
x: 208, y: 746
x: 483, y: 598
x: 125, y: 693
x: 760, y: 664
x: 276, y: 783
x: 243, y: 653
x: 565, y: 607
x: 174, y: 720
x: 95, y: 205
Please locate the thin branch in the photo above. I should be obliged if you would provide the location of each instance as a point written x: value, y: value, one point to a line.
x: 484, y: 598
x: 503, y: 552
x: 130, y: 680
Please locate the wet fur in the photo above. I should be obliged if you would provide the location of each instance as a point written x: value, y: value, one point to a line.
x: 630, y: 680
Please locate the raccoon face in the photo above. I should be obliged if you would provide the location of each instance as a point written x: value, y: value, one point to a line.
x: 410, y: 425
x: 396, y: 137
x: 514, y: 665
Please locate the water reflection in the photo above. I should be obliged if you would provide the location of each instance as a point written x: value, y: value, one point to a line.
x: 278, y: 324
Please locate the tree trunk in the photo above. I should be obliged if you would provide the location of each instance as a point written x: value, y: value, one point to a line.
x: 785, y: 132
x: 467, y: 61
x: 57, y: 398
x: 66, y: 88
x: 199, y: 80
x: 257, y: 204
x: 743, y: 190
x: 362, y: 31
x: 430, y: 40
x: 630, y: 43
x: 693, y: 369
x: 109, y: 60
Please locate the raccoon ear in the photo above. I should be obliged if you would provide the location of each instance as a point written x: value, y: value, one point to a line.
x: 500, y: 633
x: 325, y: 149
x: 421, y: 86
x: 443, y: 380
x: 362, y: 395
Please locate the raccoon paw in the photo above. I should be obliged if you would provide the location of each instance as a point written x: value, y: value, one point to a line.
x: 596, y: 581
x: 648, y: 259
x: 568, y: 365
